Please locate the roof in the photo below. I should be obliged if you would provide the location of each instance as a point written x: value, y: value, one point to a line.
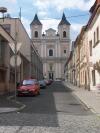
x: 50, y: 29
x: 93, y: 11
x: 64, y: 20
x: 36, y: 21
x: 97, y: 2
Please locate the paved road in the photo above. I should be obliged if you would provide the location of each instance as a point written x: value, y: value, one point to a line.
x: 56, y: 110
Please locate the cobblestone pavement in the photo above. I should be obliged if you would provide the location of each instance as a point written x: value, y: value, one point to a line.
x: 56, y: 110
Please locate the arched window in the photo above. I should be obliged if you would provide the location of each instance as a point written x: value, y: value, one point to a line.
x: 36, y: 34
x: 64, y: 34
x: 50, y: 52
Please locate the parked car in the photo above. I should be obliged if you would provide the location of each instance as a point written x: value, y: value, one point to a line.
x: 28, y: 87
x: 49, y: 81
x: 42, y: 83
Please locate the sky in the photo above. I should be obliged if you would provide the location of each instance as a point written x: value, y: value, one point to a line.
x: 50, y: 12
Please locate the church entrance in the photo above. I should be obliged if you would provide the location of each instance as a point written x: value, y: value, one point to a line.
x: 51, y: 75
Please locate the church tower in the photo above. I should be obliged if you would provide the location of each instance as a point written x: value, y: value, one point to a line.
x: 36, y: 28
x: 64, y: 28
x: 53, y: 47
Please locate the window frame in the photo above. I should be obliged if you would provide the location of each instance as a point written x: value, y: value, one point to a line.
x: 36, y: 34
x: 64, y: 51
x: 52, y: 52
x: 64, y: 34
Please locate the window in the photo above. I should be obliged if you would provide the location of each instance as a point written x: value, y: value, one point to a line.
x: 36, y: 34
x: 2, y: 50
x: 65, y: 51
x: 51, y: 66
x: 93, y: 78
x: 81, y: 77
x: 64, y: 34
x: 50, y: 52
x: 7, y: 27
x: 94, y: 38
x: 2, y: 76
x: 90, y: 43
x: 97, y: 34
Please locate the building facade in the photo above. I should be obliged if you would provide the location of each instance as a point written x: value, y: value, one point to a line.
x: 52, y: 46
x: 31, y: 63
x: 27, y: 50
x: 6, y: 73
x: 93, y: 29
x: 86, y: 55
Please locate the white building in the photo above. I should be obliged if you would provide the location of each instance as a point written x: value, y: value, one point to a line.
x: 94, y: 45
x: 53, y: 47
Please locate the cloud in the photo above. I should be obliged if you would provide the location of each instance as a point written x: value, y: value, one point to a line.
x: 62, y: 4
x: 42, y: 13
x: 76, y: 26
x: 10, y: 5
x: 42, y: 5
x: 75, y: 30
x: 11, y: 1
x: 50, y: 23
x: 53, y: 23
x: 26, y: 24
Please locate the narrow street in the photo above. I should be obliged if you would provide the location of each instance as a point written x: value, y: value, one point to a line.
x: 55, y: 110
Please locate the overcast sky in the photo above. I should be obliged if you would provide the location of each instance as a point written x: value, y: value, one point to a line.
x: 50, y: 12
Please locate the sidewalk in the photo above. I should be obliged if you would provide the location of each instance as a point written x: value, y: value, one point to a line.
x: 89, y: 98
x: 8, y: 105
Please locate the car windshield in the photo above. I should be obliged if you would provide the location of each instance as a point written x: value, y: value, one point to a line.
x: 41, y: 81
x: 29, y: 82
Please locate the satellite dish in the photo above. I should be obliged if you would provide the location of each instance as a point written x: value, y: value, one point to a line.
x: 3, y: 9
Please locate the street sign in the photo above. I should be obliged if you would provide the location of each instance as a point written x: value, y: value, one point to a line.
x: 12, y: 46
x: 18, y: 46
x: 18, y: 61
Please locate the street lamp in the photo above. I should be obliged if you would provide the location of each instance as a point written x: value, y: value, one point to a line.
x: 3, y: 10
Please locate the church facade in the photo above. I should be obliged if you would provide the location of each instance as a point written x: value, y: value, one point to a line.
x: 53, y: 47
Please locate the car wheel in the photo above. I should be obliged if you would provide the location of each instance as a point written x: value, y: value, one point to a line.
x: 18, y: 95
x: 38, y: 93
x: 44, y: 87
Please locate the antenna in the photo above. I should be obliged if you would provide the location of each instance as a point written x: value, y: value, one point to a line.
x: 3, y: 10
x: 20, y: 13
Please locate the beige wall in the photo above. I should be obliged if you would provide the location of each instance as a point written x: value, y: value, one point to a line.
x: 95, y: 50
x: 5, y: 81
x: 19, y: 34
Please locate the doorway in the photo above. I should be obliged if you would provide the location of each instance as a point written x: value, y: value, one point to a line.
x: 51, y: 75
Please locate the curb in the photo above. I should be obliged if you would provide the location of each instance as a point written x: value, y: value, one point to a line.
x: 22, y: 105
x: 17, y: 109
x: 83, y: 103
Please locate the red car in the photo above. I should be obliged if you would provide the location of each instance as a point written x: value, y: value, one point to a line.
x: 28, y: 87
